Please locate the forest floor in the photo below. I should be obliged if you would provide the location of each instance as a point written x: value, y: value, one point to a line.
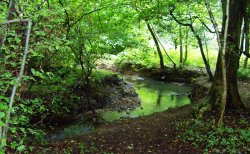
x: 151, y: 134
x: 157, y: 133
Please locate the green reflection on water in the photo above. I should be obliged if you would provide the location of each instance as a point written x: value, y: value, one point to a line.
x: 155, y: 97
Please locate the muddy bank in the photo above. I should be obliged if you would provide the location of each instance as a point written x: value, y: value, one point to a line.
x: 167, y: 74
x: 113, y: 93
x: 119, y: 95
x: 196, y: 78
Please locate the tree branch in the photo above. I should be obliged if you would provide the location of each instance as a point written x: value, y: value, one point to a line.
x: 80, y: 18
x: 178, y: 21
x: 67, y: 22
x: 214, y: 25
x: 169, y: 57
x: 203, y: 23
x: 13, y: 21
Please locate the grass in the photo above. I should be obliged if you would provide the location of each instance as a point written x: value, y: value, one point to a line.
x: 244, y: 72
x: 150, y: 58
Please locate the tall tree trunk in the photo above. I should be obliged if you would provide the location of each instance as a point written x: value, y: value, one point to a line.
x: 157, y: 46
x: 206, y: 46
x: 180, y: 43
x: 169, y: 57
x: 222, y: 53
x: 246, y: 32
x: 175, y: 43
x: 210, y: 74
x: 186, y: 46
x: 237, y: 10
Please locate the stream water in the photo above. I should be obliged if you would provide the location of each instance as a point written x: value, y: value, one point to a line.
x: 155, y: 96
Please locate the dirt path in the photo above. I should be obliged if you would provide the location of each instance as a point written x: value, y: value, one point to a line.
x: 152, y: 134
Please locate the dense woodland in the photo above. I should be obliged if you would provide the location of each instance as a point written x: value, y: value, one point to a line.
x: 62, y: 59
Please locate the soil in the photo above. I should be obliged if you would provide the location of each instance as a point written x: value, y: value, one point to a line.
x: 152, y: 134
x: 156, y: 133
x: 112, y: 93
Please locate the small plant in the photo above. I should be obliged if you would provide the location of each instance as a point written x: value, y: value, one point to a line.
x: 215, y: 140
x: 83, y: 148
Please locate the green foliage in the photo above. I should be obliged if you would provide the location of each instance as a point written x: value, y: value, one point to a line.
x: 244, y: 72
x: 135, y: 57
x: 75, y: 34
x: 99, y: 75
x: 132, y: 58
x: 55, y: 90
x: 216, y: 140
x: 85, y: 149
x: 22, y: 112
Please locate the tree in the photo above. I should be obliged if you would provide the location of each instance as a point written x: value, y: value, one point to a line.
x: 181, y: 45
x: 86, y: 54
x: 198, y: 38
x: 246, y: 36
x: 232, y: 56
x: 157, y: 45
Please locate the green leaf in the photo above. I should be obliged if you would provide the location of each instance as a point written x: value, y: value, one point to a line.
x: 21, y: 148
x: 33, y: 71
x: 1, y: 123
x: 4, y: 98
x: 2, y: 114
x: 13, y: 130
x: 22, y: 130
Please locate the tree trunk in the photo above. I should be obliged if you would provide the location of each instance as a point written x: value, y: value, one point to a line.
x: 246, y: 32
x: 180, y: 43
x: 169, y: 57
x: 210, y: 74
x: 186, y: 47
x: 237, y: 10
x: 157, y: 46
x: 89, y: 93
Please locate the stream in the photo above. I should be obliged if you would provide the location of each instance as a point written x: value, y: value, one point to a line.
x: 155, y: 96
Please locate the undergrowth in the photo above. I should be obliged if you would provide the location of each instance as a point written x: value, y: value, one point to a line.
x: 226, y: 139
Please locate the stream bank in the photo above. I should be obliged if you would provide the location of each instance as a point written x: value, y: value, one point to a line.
x: 156, y: 133
x: 144, y: 96
x: 131, y: 96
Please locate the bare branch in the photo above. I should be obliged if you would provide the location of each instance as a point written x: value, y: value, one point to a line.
x: 214, y: 24
x: 178, y: 21
x: 80, y: 18
x: 13, y: 21
x: 67, y: 22
x: 203, y: 23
